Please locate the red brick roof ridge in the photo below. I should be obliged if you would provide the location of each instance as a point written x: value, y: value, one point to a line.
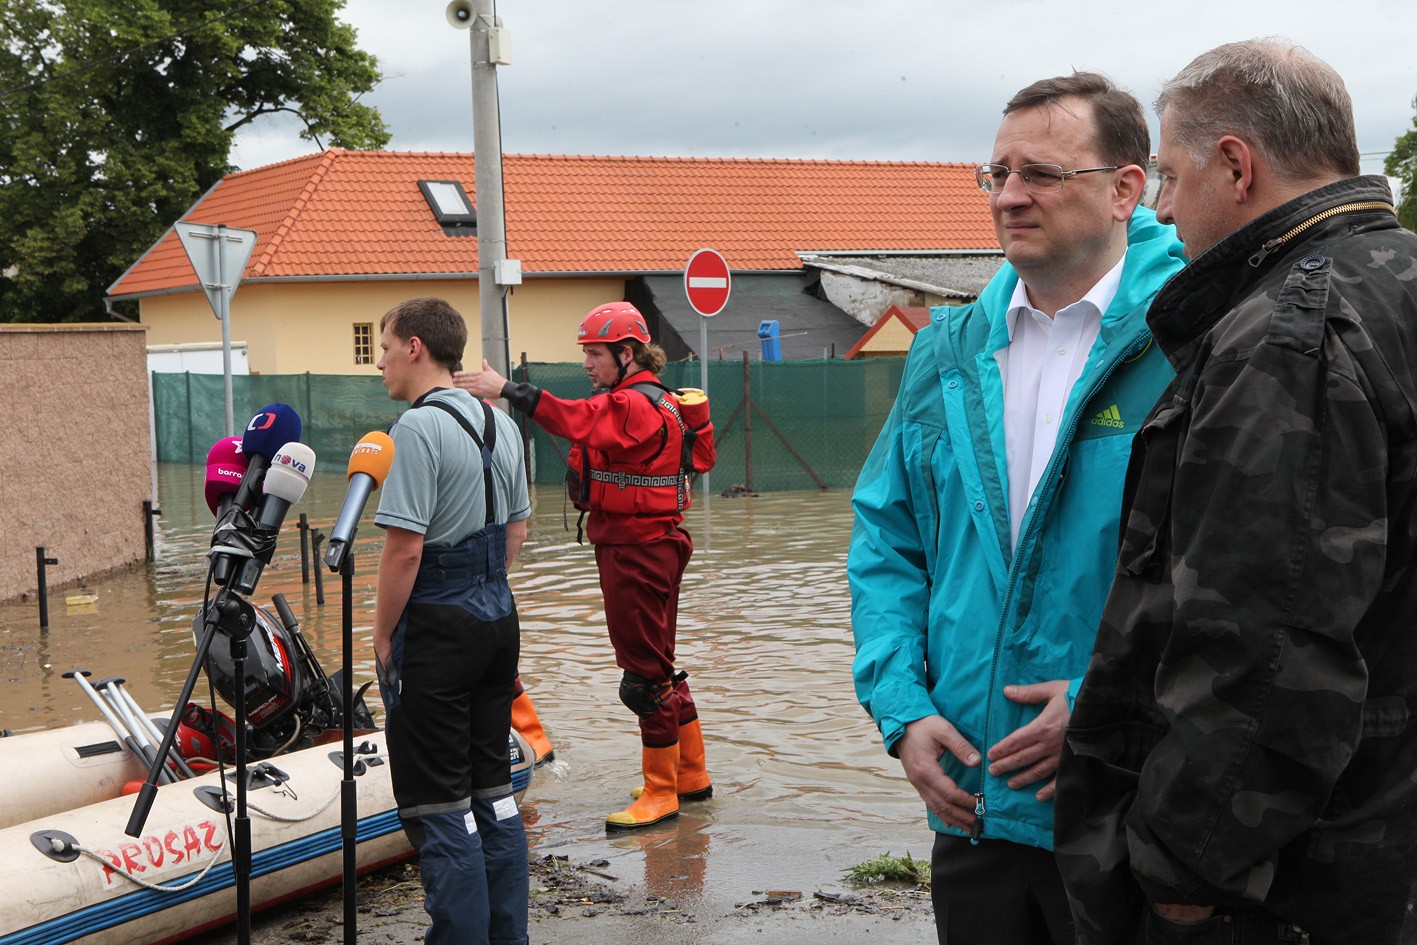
x: 273, y: 245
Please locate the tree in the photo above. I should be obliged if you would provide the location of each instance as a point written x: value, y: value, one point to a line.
x: 116, y: 115
x: 1402, y: 163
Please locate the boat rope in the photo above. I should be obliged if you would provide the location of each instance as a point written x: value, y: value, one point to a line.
x: 287, y: 819
x: 148, y: 884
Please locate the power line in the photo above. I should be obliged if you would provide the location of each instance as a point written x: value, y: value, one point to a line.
x: 123, y: 54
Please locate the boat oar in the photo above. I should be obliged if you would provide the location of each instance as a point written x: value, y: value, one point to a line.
x: 127, y: 709
x: 131, y: 724
x: 117, y: 685
x: 124, y: 735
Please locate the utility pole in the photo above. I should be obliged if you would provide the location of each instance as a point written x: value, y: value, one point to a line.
x: 490, y: 48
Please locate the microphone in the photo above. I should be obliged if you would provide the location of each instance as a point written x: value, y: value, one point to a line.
x: 226, y: 465
x: 368, y: 467
x: 273, y: 427
x: 285, y: 483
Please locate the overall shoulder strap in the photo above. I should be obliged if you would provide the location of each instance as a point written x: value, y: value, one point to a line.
x: 489, y: 426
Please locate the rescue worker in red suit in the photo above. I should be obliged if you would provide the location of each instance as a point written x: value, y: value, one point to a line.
x: 627, y: 444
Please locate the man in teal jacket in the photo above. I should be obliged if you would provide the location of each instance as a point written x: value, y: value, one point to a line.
x: 986, y: 515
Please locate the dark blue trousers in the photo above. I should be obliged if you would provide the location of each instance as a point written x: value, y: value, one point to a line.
x: 448, y: 696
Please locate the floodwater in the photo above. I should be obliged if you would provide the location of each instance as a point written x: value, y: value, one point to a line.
x: 803, y: 787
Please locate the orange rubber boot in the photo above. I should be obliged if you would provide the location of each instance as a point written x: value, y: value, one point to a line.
x: 526, y: 721
x: 694, y: 783
x: 660, y: 799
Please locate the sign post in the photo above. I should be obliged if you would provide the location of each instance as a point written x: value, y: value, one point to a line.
x: 219, y: 255
x: 707, y: 282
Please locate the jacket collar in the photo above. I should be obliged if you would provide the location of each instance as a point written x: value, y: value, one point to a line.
x: 1152, y: 252
x: 1195, y: 299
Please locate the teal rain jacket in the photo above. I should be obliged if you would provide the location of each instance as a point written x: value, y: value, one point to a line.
x: 943, y: 614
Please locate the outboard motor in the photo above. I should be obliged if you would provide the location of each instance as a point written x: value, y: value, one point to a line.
x: 288, y: 698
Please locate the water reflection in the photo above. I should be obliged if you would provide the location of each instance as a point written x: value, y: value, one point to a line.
x: 675, y: 858
x: 764, y: 632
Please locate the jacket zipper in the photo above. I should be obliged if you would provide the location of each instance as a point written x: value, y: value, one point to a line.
x: 1271, y: 245
x: 1132, y: 350
x: 978, y: 828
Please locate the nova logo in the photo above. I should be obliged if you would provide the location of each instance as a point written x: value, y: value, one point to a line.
x: 1111, y: 417
x: 285, y: 459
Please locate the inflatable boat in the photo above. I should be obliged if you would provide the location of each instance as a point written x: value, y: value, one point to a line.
x: 71, y: 873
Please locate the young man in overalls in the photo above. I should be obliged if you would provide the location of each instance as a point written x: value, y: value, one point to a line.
x: 446, y: 635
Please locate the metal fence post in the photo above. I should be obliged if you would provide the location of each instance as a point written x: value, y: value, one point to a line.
x: 747, y: 426
x: 525, y: 424
x: 39, y: 563
x: 150, y: 513
x: 304, y: 549
x: 316, y: 541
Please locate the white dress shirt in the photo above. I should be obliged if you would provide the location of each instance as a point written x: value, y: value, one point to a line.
x: 1043, y: 361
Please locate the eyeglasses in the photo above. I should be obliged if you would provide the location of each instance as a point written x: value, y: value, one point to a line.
x: 1036, y: 177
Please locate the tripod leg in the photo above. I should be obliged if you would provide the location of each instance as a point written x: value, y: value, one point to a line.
x: 143, y: 806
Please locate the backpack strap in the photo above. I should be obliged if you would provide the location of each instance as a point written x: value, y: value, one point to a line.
x: 655, y: 391
x: 489, y: 426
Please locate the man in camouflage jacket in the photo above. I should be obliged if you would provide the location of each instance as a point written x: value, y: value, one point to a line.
x: 1241, y: 762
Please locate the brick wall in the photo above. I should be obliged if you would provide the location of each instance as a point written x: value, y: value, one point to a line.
x: 74, y: 455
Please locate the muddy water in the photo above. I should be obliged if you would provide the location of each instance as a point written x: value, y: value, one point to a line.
x: 764, y: 632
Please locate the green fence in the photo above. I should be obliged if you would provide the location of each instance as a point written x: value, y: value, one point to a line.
x: 779, y: 425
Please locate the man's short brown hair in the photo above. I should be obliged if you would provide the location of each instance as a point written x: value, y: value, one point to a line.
x: 1119, y: 125
x: 433, y: 321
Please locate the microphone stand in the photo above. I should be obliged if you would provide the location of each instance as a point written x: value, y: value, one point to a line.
x: 340, y: 558
x: 234, y: 617
x: 241, y: 848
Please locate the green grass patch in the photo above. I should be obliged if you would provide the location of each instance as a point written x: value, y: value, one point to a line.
x: 891, y: 869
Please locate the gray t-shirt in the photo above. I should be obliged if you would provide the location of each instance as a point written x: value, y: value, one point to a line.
x: 435, y: 485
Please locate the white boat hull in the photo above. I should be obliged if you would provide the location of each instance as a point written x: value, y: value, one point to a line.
x: 296, y: 843
x: 63, y: 769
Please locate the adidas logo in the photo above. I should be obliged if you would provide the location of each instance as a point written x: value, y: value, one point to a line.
x: 1111, y: 417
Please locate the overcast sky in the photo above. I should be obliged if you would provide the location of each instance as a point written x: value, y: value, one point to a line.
x: 900, y: 80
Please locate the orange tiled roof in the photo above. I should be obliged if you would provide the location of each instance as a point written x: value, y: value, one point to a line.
x: 343, y: 213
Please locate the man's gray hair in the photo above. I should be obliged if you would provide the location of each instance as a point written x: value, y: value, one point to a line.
x: 1281, y: 99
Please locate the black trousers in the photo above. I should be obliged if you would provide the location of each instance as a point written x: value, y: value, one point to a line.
x: 997, y: 893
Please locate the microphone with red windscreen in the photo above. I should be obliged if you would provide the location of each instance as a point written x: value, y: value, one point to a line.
x: 226, y: 464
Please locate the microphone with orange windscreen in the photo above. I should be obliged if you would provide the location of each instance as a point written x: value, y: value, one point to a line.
x: 368, y: 468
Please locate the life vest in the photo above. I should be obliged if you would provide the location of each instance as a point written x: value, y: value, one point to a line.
x: 659, y: 485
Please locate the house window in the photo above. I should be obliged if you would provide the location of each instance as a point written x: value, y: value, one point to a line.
x: 364, y: 343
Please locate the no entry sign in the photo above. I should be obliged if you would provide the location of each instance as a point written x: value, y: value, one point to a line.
x: 706, y: 282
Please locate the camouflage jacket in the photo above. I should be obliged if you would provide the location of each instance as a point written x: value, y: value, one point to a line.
x: 1244, y: 733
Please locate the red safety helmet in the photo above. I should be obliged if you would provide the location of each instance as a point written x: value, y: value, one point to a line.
x: 612, y: 322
